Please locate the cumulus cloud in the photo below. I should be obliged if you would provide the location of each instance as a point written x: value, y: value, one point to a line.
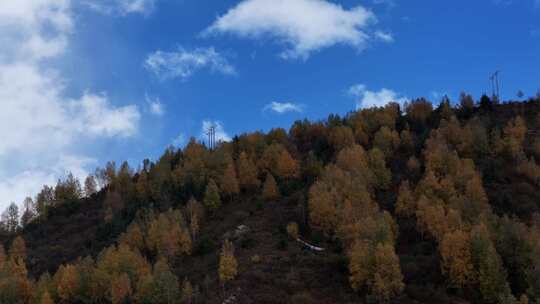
x: 121, y: 7
x: 183, y: 63
x: 43, y: 132
x: 368, y: 99
x: 221, y: 135
x: 384, y: 36
x: 284, y: 107
x: 155, y: 106
x: 304, y: 26
x: 180, y: 140
x: 96, y: 116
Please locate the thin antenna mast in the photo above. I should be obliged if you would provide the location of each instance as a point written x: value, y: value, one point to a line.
x: 211, y: 137
x: 495, y: 88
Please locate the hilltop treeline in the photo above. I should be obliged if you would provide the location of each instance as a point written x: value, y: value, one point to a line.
x: 411, y: 204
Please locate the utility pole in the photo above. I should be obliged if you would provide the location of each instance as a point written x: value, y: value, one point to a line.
x: 211, y: 137
x: 495, y: 89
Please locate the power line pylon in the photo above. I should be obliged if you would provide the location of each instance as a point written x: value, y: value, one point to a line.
x: 211, y: 132
x: 495, y: 89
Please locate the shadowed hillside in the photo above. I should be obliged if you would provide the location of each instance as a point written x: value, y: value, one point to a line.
x: 411, y: 205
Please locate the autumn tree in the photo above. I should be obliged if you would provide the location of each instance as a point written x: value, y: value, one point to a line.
x: 361, y: 265
x: 113, y: 204
x: 67, y: 283
x: 143, y: 186
x: 287, y: 167
x: 292, y: 230
x: 407, y: 141
x: 165, y: 287
x: 121, y: 290
x: 116, y: 260
x: 270, y: 188
x: 490, y: 273
x: 188, y: 293
x: 10, y: 218
x: 46, y: 298
x: 3, y: 257
x: 17, y: 251
x: 229, y: 181
x: 29, y: 212
x: 323, y: 200
x: 386, y: 140
x: 341, y: 137
x: 68, y: 190
x: 90, y: 186
x: 406, y: 203
x: 212, y: 199
x: 381, y: 173
x: 354, y: 160
x: 387, y: 279
x: 133, y: 237
x: 247, y: 172
x: 513, y: 137
x: 466, y: 103
x: 44, y: 200
x: 456, y: 257
x: 228, y: 266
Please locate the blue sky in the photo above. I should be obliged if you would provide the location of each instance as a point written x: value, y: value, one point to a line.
x: 83, y: 82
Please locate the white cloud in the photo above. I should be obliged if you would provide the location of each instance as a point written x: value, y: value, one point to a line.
x: 96, y: 116
x: 389, y: 3
x: 183, y: 63
x: 155, y: 106
x: 284, y: 107
x: 44, y: 133
x: 304, y: 26
x: 535, y: 3
x: 221, y: 135
x: 180, y: 140
x: 33, y: 30
x: 121, y: 7
x: 368, y: 99
x: 383, y: 36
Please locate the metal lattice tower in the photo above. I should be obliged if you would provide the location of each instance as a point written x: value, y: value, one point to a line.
x: 495, y: 89
x: 211, y: 133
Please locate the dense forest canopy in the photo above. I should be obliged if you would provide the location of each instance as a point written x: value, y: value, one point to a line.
x: 411, y: 204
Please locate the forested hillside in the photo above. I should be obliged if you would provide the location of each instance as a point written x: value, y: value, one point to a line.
x: 396, y: 204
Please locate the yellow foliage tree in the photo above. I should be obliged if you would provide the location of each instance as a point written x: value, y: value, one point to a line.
x: 292, y: 230
x: 187, y: 292
x: 381, y: 173
x: 455, y: 250
x: 287, y: 167
x: 46, y: 298
x: 67, y: 283
x: 361, y: 265
x: 386, y: 140
x: 229, y: 181
x: 270, y: 188
x: 341, y: 137
x: 323, y: 209
x: 3, y: 257
x: 133, y: 237
x: 513, y: 136
x: 387, y: 279
x: 228, y: 266
x: 247, y: 173
x: 194, y: 226
x: 212, y: 199
x: 406, y: 204
x: 120, y: 289
x: 17, y: 251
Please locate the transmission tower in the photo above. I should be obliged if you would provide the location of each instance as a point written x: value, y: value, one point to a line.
x: 495, y: 89
x: 211, y: 132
